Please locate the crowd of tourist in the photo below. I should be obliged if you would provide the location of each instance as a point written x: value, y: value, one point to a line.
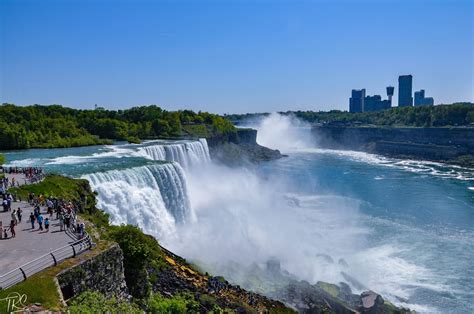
x: 30, y: 175
x: 45, y: 210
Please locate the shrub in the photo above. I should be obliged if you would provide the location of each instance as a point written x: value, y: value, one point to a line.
x: 94, y: 302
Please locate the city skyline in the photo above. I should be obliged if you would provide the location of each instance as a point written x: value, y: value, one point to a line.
x: 236, y: 57
x: 360, y: 101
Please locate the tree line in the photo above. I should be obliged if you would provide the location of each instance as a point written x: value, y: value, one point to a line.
x: 457, y: 114
x: 57, y: 126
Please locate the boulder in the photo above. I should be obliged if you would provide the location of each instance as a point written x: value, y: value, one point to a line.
x: 371, y: 302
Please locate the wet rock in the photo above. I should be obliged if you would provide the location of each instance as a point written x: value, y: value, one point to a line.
x: 371, y: 302
x: 216, y: 284
x: 307, y: 298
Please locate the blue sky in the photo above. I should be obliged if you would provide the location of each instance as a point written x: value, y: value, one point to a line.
x: 232, y: 56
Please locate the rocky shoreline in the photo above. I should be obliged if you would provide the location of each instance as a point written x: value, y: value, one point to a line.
x: 447, y: 145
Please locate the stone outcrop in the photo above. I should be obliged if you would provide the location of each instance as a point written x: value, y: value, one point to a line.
x: 103, y: 273
x: 324, y: 297
x: 240, y: 148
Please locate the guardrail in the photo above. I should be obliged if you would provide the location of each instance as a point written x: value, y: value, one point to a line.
x: 51, y: 259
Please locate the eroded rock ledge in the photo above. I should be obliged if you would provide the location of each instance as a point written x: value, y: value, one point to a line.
x: 240, y: 148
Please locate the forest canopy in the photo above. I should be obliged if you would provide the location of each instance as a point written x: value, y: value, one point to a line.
x: 57, y: 126
x: 458, y: 114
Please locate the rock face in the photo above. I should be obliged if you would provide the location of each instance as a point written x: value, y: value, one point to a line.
x: 103, y: 273
x: 437, y: 144
x: 324, y: 297
x: 240, y: 148
x: 179, y: 277
x: 307, y: 298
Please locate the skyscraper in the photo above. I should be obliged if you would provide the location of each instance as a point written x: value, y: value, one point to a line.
x: 390, y: 90
x: 356, y: 102
x: 421, y: 100
x: 405, y: 85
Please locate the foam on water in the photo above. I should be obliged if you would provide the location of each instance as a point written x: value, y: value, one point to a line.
x: 28, y: 162
x: 110, y: 152
x: 415, y: 166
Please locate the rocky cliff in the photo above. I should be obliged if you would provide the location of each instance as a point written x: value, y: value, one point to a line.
x: 103, y: 273
x: 453, y: 145
x: 240, y: 148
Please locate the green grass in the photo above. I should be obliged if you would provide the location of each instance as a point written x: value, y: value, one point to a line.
x: 54, y: 186
x: 39, y: 288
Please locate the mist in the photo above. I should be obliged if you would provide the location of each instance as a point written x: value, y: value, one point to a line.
x: 283, y: 132
x: 246, y: 217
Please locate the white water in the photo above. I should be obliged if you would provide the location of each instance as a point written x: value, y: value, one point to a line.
x: 283, y: 132
x: 153, y: 197
x: 187, y: 154
x: 245, y: 218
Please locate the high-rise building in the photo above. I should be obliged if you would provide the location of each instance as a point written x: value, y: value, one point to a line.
x: 390, y: 92
x: 357, y: 101
x: 421, y: 100
x: 375, y: 103
x: 405, y: 86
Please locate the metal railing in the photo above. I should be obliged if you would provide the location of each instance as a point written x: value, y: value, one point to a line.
x: 50, y: 259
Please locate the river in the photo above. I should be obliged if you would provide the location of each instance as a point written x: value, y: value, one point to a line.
x: 402, y: 228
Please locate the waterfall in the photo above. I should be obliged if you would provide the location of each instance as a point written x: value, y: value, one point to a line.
x: 154, y: 197
x: 187, y: 154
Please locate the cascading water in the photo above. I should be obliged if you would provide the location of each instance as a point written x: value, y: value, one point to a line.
x: 153, y: 197
x: 187, y: 154
x: 324, y: 214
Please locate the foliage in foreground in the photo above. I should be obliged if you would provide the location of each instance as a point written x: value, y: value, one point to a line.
x: 140, y: 251
x: 95, y: 302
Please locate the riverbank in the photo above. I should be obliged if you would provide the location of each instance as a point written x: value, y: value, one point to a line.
x: 452, y: 145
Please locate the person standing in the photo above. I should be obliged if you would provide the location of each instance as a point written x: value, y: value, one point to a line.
x: 14, y: 217
x: 67, y: 220
x: 40, y: 221
x: 19, y: 213
x: 32, y: 220
x: 12, y: 228
x: 61, y: 222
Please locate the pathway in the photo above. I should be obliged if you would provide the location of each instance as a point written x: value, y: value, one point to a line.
x: 29, y: 243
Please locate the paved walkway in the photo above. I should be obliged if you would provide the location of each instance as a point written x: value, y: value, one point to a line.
x: 29, y: 243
